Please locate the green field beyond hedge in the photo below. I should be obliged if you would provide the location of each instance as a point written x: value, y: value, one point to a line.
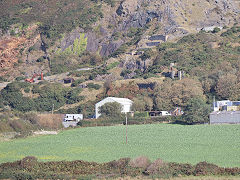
x: 218, y: 144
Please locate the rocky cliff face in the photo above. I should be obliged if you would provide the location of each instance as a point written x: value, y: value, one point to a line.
x: 171, y: 18
x: 172, y: 14
x: 174, y: 18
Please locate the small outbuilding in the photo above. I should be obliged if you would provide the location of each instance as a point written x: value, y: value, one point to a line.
x: 126, y: 104
x: 158, y: 113
x: 68, y: 80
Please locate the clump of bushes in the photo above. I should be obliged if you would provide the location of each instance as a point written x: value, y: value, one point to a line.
x: 77, y: 82
x: 49, y: 94
x: 230, y: 32
x: 29, y: 167
x: 93, y: 86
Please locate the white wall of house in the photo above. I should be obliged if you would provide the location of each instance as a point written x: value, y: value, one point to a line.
x: 126, y: 104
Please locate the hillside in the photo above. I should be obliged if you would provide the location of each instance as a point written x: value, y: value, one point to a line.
x: 126, y: 43
x: 60, y: 32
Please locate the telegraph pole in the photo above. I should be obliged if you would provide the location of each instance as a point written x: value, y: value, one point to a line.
x: 126, y: 127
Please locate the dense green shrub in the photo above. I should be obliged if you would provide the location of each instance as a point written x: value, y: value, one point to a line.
x: 20, y: 78
x: 73, y: 96
x: 50, y: 95
x: 77, y: 82
x: 216, y: 30
x: 93, y: 86
x: 232, y: 31
x: 13, y: 97
x: 125, y: 72
x: 196, y: 111
x: 112, y: 65
x: 30, y: 168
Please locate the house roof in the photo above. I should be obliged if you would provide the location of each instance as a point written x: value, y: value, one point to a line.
x: 119, y: 100
x: 123, y: 100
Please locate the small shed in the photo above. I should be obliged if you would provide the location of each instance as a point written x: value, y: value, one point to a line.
x: 158, y: 113
x: 126, y: 104
x: 68, y: 80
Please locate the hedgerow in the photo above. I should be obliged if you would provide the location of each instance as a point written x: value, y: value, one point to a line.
x: 30, y: 168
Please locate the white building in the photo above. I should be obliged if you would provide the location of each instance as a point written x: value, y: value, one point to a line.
x: 226, y: 105
x: 219, y: 104
x: 71, y: 120
x: 126, y: 104
x: 209, y: 28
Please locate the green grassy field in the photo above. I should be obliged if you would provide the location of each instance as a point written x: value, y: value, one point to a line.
x: 219, y: 144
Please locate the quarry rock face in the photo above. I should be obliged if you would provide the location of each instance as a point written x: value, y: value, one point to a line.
x: 69, y: 39
x: 174, y: 14
x: 92, y: 42
x: 175, y: 18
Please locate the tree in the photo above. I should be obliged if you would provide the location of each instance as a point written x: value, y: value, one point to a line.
x: 196, y: 111
x: 111, y: 109
x: 170, y: 94
x: 228, y: 87
x: 144, y: 103
x: 138, y: 105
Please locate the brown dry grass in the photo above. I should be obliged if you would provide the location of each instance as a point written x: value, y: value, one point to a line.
x: 52, y: 121
x: 140, y: 80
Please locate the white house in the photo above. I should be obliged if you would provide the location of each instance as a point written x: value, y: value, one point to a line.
x: 126, y: 104
x: 226, y: 105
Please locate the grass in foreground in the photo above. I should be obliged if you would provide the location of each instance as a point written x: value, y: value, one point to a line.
x: 218, y: 144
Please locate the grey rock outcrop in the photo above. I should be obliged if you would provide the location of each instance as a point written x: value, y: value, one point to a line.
x: 111, y: 47
x: 176, y: 18
x: 69, y: 39
x: 92, y: 42
x: 173, y: 13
